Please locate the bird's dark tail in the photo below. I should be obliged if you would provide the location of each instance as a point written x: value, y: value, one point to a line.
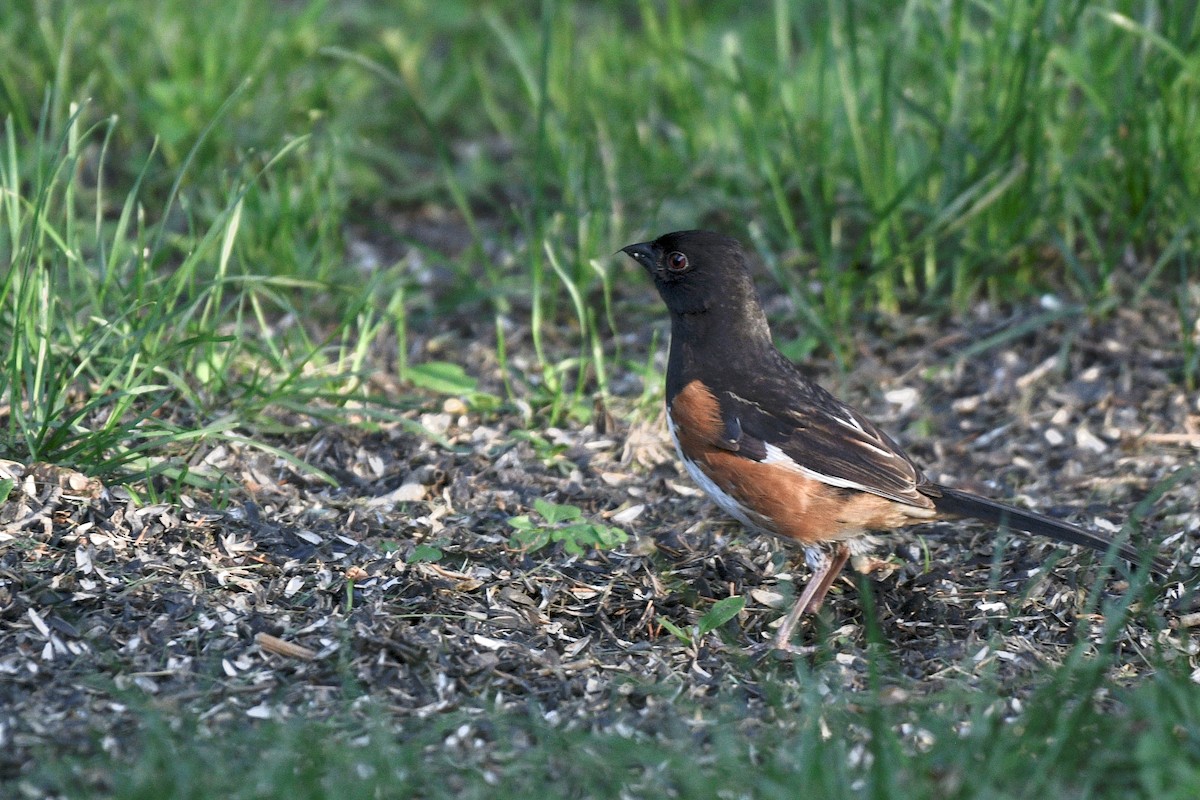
x: 964, y: 504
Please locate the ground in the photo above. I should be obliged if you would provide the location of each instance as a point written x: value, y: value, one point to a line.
x: 401, y: 585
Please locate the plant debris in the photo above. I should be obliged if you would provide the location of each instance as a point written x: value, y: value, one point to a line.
x: 403, y: 582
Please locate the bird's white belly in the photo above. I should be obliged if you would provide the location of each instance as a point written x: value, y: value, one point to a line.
x: 722, y: 498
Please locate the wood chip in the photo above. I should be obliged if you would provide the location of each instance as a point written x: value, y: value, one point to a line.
x: 1190, y: 439
x: 273, y: 644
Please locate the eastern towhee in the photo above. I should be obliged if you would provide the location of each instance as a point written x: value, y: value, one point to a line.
x: 776, y: 451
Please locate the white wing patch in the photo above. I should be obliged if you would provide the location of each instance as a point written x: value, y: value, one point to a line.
x: 782, y: 459
x: 850, y: 422
x: 880, y: 450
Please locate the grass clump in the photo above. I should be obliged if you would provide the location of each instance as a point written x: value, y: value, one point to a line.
x: 1071, y: 737
x: 127, y: 344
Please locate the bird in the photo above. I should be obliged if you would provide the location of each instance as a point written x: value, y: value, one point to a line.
x: 779, y: 453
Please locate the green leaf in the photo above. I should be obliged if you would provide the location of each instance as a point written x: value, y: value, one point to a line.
x: 555, y: 513
x: 6, y: 487
x: 721, y: 612
x: 521, y: 523
x: 608, y: 536
x: 530, y: 540
x: 570, y: 539
x: 564, y: 523
x: 441, y: 377
x: 675, y: 630
x: 424, y: 552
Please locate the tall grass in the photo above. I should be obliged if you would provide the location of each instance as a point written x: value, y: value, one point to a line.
x: 126, y: 343
x: 910, y: 154
x: 879, y: 156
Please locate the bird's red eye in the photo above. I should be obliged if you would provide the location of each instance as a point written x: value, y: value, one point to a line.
x: 677, y: 261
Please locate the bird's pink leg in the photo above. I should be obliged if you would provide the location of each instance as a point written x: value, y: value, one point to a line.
x: 809, y: 602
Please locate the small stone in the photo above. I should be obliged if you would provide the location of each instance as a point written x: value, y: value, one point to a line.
x: 967, y: 405
x: 628, y: 515
x: 408, y: 493
x: 1086, y: 440
x: 906, y: 397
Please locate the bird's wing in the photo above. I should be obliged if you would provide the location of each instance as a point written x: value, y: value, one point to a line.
x: 800, y: 426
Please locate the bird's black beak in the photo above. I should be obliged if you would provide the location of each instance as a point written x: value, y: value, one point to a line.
x: 645, y: 253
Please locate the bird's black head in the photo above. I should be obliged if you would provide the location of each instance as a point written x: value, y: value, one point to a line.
x: 702, y: 273
x: 692, y: 270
